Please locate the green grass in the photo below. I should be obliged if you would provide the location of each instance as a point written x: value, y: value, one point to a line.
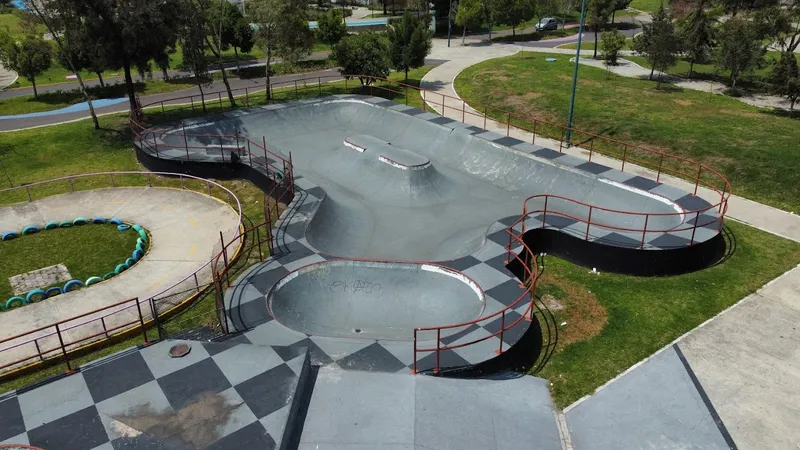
x: 710, y: 72
x: 645, y: 314
x: 86, y: 251
x: 12, y: 24
x: 537, y: 36
x: 649, y: 6
x: 589, y: 45
x: 754, y: 148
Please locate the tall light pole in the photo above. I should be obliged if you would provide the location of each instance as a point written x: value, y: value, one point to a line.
x: 575, y: 73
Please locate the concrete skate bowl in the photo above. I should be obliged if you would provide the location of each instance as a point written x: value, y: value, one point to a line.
x: 184, y: 217
x: 383, y: 182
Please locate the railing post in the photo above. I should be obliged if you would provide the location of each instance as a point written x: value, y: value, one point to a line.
x: 345, y: 85
x: 71, y: 185
x: 484, y: 117
x: 266, y: 160
x: 444, y: 108
x: 502, y: 330
x: 561, y: 142
x: 156, y: 320
x: 463, y: 110
x: 406, y: 95
x: 141, y: 321
x: 221, y: 151
x: 196, y: 283
x: 225, y: 258
x: 112, y: 180
x: 591, y: 149
x: 644, y: 231
x: 219, y: 96
x: 438, y: 345
x: 624, y: 157
x: 414, y: 367
x: 697, y: 180
x: 28, y: 190
x: 544, y: 216
x: 63, y: 348
x: 246, y: 96
x: 162, y: 106
x: 589, y: 222
x: 258, y: 243
x: 249, y: 154
x: 694, y: 229
x: 296, y: 95
x: 319, y: 85
x: 508, y: 123
x: 660, y: 161
x: 149, y: 180
x: 185, y: 140
x: 103, y: 322
x: 191, y: 99
x: 38, y: 349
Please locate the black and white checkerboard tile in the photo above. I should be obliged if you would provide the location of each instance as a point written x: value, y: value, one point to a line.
x: 226, y: 395
x: 246, y: 301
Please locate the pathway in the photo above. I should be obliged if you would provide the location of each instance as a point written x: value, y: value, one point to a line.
x: 744, y: 364
x: 185, y: 231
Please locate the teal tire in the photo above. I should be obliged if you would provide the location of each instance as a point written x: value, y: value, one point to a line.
x: 137, y: 254
x: 109, y: 275
x: 93, y: 280
x: 140, y: 247
x: 65, y: 224
x: 129, y: 262
x: 115, y: 221
x: 98, y: 220
x: 120, y: 268
x: 136, y: 227
x: 80, y: 221
x: 9, y: 235
x: 123, y: 227
x: 51, y: 226
x: 53, y: 291
x: 143, y: 235
x: 72, y: 285
x: 35, y: 295
x: 30, y: 229
x: 15, y: 302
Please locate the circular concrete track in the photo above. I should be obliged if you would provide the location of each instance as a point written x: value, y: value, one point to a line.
x: 185, y: 233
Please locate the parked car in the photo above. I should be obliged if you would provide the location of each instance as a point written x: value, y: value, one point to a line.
x: 548, y: 23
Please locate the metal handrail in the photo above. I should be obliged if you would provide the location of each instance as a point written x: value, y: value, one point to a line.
x: 137, y: 304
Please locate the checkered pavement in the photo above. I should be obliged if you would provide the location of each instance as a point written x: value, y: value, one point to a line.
x: 226, y: 395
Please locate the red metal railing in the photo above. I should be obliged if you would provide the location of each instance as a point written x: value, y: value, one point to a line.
x: 52, y: 340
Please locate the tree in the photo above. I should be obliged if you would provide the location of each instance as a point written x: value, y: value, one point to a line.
x: 739, y: 49
x: 659, y: 43
x: 29, y: 56
x: 365, y: 55
x: 697, y: 36
x: 241, y: 37
x: 733, y: 7
x: 54, y: 21
x: 410, y: 42
x: 282, y: 30
x: 193, y: 42
x: 786, y: 78
x: 513, y: 12
x: 781, y: 25
x: 565, y: 7
x: 331, y: 27
x: 597, y: 12
x: 220, y: 19
x: 469, y: 15
x: 85, y: 54
x: 134, y: 32
x: 612, y: 42
x: 618, y: 5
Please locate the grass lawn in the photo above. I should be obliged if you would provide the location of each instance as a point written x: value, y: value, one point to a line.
x: 623, y: 319
x: 649, y: 6
x: 11, y: 23
x: 755, y: 148
x: 74, y: 148
x: 710, y: 72
x: 537, y: 36
x: 86, y: 251
x: 589, y: 45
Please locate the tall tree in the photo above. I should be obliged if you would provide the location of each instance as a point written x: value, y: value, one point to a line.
x: 659, y: 43
x: 193, y: 42
x: 612, y: 43
x: 220, y: 18
x: 786, y: 78
x: 29, y: 56
x: 565, y: 8
x: 134, y: 31
x: 365, y: 55
x: 56, y: 21
x: 331, y: 27
x: 739, y: 47
x: 282, y: 29
x: 697, y: 36
x: 469, y: 15
x: 618, y: 5
x: 597, y: 12
x: 85, y: 54
x: 734, y: 7
x: 514, y: 12
x: 781, y: 25
x: 410, y: 42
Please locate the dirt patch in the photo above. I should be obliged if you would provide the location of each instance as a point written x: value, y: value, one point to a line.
x: 495, y: 75
x: 574, y: 306
x: 592, y: 83
x: 742, y: 113
x: 521, y: 104
x: 563, y: 77
x: 683, y: 102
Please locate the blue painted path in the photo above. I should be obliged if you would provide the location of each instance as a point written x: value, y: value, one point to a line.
x: 83, y: 106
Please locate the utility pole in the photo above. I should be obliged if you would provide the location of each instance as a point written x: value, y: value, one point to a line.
x: 575, y: 74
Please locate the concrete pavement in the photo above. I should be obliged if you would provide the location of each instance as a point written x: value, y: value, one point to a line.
x: 745, y: 361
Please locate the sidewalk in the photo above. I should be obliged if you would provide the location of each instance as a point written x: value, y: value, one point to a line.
x: 747, y: 358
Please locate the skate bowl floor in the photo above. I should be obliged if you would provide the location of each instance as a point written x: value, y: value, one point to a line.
x: 372, y: 300
x: 398, y: 186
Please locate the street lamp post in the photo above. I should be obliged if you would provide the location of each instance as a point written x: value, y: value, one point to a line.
x: 575, y: 74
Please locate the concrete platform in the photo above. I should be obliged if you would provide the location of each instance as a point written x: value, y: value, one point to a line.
x: 184, y: 228
x: 352, y: 410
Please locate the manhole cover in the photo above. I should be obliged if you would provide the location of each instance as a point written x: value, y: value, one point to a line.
x: 179, y: 350
x: 357, y: 330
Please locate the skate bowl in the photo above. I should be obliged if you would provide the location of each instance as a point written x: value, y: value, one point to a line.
x: 373, y: 300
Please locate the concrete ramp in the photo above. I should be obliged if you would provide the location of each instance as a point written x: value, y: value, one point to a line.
x: 352, y: 410
x: 371, y: 300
